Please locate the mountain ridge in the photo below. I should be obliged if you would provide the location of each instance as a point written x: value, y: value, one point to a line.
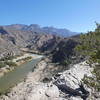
x: 37, y: 28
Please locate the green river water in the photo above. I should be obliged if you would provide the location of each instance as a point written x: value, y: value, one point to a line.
x: 17, y: 75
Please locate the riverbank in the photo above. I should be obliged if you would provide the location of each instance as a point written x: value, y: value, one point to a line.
x: 18, y: 61
x: 26, y: 57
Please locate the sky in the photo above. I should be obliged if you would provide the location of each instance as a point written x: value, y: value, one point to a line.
x: 75, y: 15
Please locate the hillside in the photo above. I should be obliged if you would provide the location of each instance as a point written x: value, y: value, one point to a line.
x: 14, y: 37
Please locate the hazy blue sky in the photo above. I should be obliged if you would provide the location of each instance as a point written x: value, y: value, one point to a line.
x: 76, y: 15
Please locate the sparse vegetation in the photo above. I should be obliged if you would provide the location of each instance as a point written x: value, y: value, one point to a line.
x: 7, y: 61
x: 7, y: 58
x: 66, y: 62
x: 10, y: 63
x: 25, y: 59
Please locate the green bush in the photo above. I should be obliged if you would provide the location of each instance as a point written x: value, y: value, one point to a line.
x: 90, y: 46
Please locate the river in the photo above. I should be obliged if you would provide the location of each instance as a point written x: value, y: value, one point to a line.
x: 18, y: 74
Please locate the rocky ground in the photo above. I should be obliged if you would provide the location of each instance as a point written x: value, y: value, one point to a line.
x: 66, y: 85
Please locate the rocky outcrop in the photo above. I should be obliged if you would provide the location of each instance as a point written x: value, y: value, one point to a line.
x: 63, y: 86
x: 69, y: 81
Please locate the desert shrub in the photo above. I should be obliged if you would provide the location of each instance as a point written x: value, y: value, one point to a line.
x: 10, y: 63
x: 2, y: 64
x: 7, y: 58
x: 65, y: 62
x: 7, y: 61
x: 25, y: 59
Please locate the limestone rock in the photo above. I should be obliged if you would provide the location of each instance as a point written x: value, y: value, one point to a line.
x: 52, y: 91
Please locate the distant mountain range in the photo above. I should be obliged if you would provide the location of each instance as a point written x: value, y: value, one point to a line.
x: 48, y: 30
